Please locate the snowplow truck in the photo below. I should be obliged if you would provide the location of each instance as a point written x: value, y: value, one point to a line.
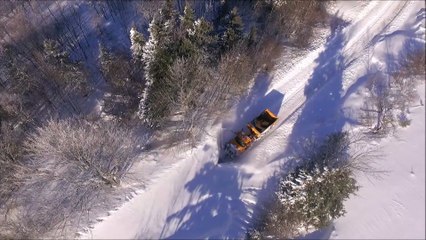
x: 245, y: 138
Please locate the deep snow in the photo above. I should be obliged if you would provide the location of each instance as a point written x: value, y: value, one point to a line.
x: 188, y: 196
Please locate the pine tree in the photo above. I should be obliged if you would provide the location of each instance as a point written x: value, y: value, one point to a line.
x: 158, y: 54
x: 167, y: 24
x: 203, y: 34
x: 105, y: 60
x: 187, y: 20
x: 22, y: 82
x: 137, y: 42
x: 234, y: 30
x: 53, y: 51
x: 196, y: 38
x: 252, y: 37
x: 167, y: 10
x: 317, y: 194
x: 72, y: 73
x: 168, y: 41
x: 184, y: 46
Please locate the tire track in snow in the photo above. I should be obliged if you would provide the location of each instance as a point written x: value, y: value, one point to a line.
x: 299, y: 75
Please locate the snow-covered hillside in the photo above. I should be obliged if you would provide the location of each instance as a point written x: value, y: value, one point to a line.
x: 189, y: 196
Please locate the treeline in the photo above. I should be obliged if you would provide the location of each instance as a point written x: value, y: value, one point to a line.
x: 77, y: 77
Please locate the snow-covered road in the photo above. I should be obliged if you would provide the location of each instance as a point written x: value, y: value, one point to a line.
x: 194, y: 198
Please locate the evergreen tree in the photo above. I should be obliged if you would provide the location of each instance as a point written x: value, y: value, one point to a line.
x: 317, y: 195
x: 252, y: 37
x: 196, y: 38
x: 138, y: 41
x: 22, y: 82
x: 184, y: 46
x: 168, y: 11
x: 149, y: 50
x: 203, y: 34
x: 169, y: 40
x: 158, y: 54
x: 115, y: 68
x: 162, y: 33
x: 187, y: 20
x: 223, y: 11
x: 233, y: 30
x: 166, y: 24
x: 72, y: 73
x: 53, y: 51
x: 105, y: 60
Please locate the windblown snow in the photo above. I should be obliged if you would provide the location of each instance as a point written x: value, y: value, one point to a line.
x: 189, y: 196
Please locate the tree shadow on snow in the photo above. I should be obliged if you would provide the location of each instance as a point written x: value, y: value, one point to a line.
x: 219, y: 211
x: 215, y: 210
x: 322, y: 112
x: 320, y: 115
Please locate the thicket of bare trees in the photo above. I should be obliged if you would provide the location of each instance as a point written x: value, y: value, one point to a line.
x: 105, y: 151
x: 53, y: 175
x: 69, y: 166
x: 292, y: 19
x: 13, y: 171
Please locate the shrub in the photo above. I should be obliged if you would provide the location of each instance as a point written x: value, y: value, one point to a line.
x: 317, y: 195
x: 100, y: 151
x: 312, y: 195
x: 403, y: 120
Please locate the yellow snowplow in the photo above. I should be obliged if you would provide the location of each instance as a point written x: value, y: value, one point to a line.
x: 245, y: 138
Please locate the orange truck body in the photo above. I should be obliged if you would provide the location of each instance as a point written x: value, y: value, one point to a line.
x: 255, y: 129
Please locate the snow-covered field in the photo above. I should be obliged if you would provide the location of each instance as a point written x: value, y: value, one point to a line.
x: 392, y: 207
x: 188, y: 196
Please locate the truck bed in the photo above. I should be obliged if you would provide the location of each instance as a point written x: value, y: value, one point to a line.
x: 244, y: 139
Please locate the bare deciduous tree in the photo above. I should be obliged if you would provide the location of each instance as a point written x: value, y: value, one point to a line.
x: 390, y: 95
x: 12, y: 169
x: 105, y: 151
x: 234, y: 75
x: 405, y: 80
x: 294, y: 20
x: 379, y: 102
